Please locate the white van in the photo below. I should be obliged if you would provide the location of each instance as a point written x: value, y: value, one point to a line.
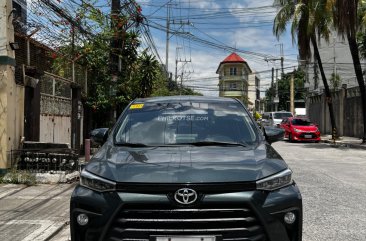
x: 274, y: 118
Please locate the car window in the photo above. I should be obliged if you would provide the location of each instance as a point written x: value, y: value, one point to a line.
x: 281, y: 115
x: 301, y: 122
x: 174, y: 123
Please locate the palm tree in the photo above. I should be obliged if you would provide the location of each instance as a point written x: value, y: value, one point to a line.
x: 347, y: 23
x: 148, y: 69
x: 310, y: 18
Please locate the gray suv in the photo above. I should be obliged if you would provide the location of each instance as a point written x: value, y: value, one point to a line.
x: 186, y: 168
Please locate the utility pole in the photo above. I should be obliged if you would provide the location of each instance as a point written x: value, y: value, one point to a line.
x: 292, y: 95
x: 168, y: 22
x: 181, y: 76
x: 272, y: 84
x: 167, y: 39
x: 114, y: 59
x: 176, y: 64
x: 277, y: 100
x: 335, y: 63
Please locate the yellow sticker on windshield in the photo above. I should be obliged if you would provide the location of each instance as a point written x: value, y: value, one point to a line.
x: 136, y: 106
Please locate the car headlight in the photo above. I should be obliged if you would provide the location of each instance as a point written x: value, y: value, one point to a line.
x: 297, y: 130
x: 96, y: 183
x: 276, y: 181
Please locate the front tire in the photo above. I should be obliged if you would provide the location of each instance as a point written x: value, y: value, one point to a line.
x: 290, y: 137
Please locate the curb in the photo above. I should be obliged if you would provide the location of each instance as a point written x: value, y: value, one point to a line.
x: 343, y: 144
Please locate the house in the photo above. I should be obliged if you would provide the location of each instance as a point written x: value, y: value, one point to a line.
x: 237, y: 80
x: 35, y: 104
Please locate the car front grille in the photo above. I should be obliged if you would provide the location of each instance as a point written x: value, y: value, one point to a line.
x: 232, y: 224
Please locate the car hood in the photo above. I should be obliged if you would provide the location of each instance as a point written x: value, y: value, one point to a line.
x: 306, y: 128
x: 186, y: 164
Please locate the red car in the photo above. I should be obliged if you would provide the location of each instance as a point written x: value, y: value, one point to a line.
x: 300, y: 129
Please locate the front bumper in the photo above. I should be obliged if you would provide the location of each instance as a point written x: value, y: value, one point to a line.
x: 306, y: 136
x: 247, y: 215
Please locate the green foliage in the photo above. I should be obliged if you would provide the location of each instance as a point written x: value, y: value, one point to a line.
x: 335, y: 80
x: 284, y: 89
x: 257, y: 116
x: 15, y: 176
x: 109, y: 87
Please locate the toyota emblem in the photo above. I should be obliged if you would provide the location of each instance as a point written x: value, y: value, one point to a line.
x: 185, y: 196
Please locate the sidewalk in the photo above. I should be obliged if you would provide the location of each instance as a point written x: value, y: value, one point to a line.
x: 34, y: 213
x: 345, y: 141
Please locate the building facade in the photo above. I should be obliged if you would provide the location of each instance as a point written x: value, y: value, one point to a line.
x: 337, y: 61
x: 237, y: 80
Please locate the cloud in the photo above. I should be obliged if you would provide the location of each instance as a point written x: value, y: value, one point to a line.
x: 245, y: 12
x: 253, y: 38
x: 206, y: 4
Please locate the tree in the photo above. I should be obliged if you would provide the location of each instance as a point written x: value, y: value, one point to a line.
x: 347, y: 23
x: 310, y: 18
x: 284, y: 89
x: 148, y: 69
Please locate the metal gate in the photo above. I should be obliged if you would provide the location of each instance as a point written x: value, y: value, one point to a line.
x: 55, y: 119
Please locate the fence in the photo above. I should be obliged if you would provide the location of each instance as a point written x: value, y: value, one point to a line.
x: 347, y: 107
x: 45, y: 157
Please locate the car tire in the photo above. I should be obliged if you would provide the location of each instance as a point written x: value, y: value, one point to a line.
x: 290, y: 137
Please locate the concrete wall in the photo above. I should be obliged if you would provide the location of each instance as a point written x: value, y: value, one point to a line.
x: 11, y: 95
x: 347, y: 110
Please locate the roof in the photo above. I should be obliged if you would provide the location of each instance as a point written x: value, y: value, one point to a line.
x: 233, y: 58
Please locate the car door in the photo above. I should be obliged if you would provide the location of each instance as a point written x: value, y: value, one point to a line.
x: 286, y: 125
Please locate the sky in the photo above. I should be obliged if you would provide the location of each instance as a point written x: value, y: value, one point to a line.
x: 202, y: 34
x: 245, y: 25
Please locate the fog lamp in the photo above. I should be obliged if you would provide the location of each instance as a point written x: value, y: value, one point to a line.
x: 82, y: 219
x: 289, y: 218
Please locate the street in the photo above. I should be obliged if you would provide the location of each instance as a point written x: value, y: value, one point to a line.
x: 33, y: 213
x: 332, y: 181
x: 333, y: 186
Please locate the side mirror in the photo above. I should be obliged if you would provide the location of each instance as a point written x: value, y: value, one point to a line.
x: 273, y: 134
x: 99, y: 136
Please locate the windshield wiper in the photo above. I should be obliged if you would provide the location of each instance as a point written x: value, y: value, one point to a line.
x: 129, y: 144
x: 214, y: 143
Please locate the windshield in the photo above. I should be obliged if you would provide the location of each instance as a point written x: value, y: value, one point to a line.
x: 282, y: 115
x: 301, y: 122
x: 185, y: 123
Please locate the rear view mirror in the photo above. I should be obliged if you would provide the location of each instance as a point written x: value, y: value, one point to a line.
x: 99, y: 136
x: 273, y: 134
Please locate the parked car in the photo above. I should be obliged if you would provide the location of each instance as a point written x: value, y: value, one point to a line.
x: 300, y: 129
x: 186, y: 168
x: 274, y: 118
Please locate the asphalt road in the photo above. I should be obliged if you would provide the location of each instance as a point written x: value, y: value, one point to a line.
x: 333, y: 186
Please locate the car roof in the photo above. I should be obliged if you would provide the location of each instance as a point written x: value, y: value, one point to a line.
x: 185, y: 98
x: 298, y: 118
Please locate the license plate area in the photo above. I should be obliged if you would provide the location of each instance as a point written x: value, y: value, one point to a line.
x: 308, y: 136
x: 185, y: 238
